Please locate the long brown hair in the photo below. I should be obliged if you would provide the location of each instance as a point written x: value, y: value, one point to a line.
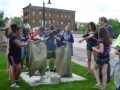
x: 104, y: 34
x: 6, y: 33
x: 69, y: 31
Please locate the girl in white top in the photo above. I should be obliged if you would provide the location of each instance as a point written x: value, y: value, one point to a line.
x: 8, y: 33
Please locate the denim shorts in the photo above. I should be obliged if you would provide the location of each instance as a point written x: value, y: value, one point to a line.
x: 89, y: 49
x: 100, y: 61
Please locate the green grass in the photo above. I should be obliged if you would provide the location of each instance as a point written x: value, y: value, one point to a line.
x: 76, y: 85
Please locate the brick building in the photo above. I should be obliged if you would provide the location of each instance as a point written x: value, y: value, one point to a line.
x: 33, y: 15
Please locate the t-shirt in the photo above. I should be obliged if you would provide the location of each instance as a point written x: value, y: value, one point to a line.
x: 24, y: 39
x: 5, y: 40
x: 91, y: 43
x: 33, y: 36
x: 106, y: 51
x: 14, y: 49
x: 110, y: 30
x: 59, y: 42
x: 51, y: 43
x: 40, y: 37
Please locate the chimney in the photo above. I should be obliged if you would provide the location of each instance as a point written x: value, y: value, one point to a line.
x: 29, y: 4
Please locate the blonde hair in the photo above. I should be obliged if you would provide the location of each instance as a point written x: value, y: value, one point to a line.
x: 69, y: 30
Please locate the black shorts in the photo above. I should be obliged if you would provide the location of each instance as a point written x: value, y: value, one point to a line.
x: 13, y: 60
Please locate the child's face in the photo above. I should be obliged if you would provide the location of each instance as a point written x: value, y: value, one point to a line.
x: 66, y: 29
x: 26, y: 33
x: 51, y: 31
x: 40, y: 33
x: 18, y: 32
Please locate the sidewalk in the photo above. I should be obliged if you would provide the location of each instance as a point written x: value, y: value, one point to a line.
x: 80, y: 58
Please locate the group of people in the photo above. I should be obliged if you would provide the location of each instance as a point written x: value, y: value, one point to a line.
x: 17, y: 42
x: 98, y: 42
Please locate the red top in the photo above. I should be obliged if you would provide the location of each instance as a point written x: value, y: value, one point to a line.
x: 33, y: 36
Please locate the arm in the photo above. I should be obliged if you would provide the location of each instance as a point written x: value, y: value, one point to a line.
x: 71, y: 38
x: 16, y: 42
x: 86, y: 38
x: 101, y: 50
x: 56, y: 37
x: 47, y: 38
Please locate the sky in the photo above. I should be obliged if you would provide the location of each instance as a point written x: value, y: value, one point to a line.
x: 86, y: 10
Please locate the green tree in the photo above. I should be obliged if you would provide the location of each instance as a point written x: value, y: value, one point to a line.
x: 17, y: 20
x: 116, y: 26
x: 2, y: 19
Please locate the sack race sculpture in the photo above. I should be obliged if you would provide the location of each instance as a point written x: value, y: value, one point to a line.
x: 63, y: 61
x: 37, y: 55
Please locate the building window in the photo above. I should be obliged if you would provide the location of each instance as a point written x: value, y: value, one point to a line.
x: 69, y: 23
x: 28, y: 12
x: 49, y: 21
x: 72, y: 23
x: 45, y: 14
x: 65, y: 16
x: 68, y: 16
x: 40, y: 13
x: 57, y: 15
x: 33, y: 20
x: 61, y: 22
x: 61, y: 16
x: 53, y: 21
x: 49, y: 14
x: 28, y: 20
x: 57, y: 22
x: 40, y: 21
x: 45, y: 22
x: 33, y: 13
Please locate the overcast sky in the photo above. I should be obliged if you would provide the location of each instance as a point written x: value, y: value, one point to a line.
x: 86, y: 10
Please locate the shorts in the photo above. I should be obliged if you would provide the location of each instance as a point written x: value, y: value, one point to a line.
x: 100, y: 61
x: 89, y: 49
x: 24, y: 54
x: 51, y: 54
x: 14, y: 60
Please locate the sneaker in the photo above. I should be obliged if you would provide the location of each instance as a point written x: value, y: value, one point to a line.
x: 97, y: 86
x: 47, y: 69
x: 15, y: 86
x: 88, y: 73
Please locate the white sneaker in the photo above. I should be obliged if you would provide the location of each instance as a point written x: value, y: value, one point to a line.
x: 15, y: 86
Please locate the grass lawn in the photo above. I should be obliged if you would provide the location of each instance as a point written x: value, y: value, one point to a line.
x: 76, y: 85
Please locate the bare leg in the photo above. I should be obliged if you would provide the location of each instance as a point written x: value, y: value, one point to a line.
x: 89, y: 60
x: 22, y: 63
x: 12, y: 74
x: 95, y: 55
x: 27, y: 62
x: 17, y: 71
x: 48, y: 62
x: 54, y: 63
x: 104, y: 74
x: 95, y: 69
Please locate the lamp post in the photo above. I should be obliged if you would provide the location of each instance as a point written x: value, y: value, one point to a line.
x: 44, y: 11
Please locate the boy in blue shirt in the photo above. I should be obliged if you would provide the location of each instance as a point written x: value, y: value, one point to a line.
x: 51, y: 43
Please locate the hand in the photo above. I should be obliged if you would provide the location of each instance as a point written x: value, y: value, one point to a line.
x: 80, y: 41
x: 28, y: 40
x: 54, y: 36
x: 94, y: 49
x: 64, y: 41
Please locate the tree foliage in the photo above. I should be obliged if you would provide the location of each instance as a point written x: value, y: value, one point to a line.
x: 2, y: 19
x: 17, y: 20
